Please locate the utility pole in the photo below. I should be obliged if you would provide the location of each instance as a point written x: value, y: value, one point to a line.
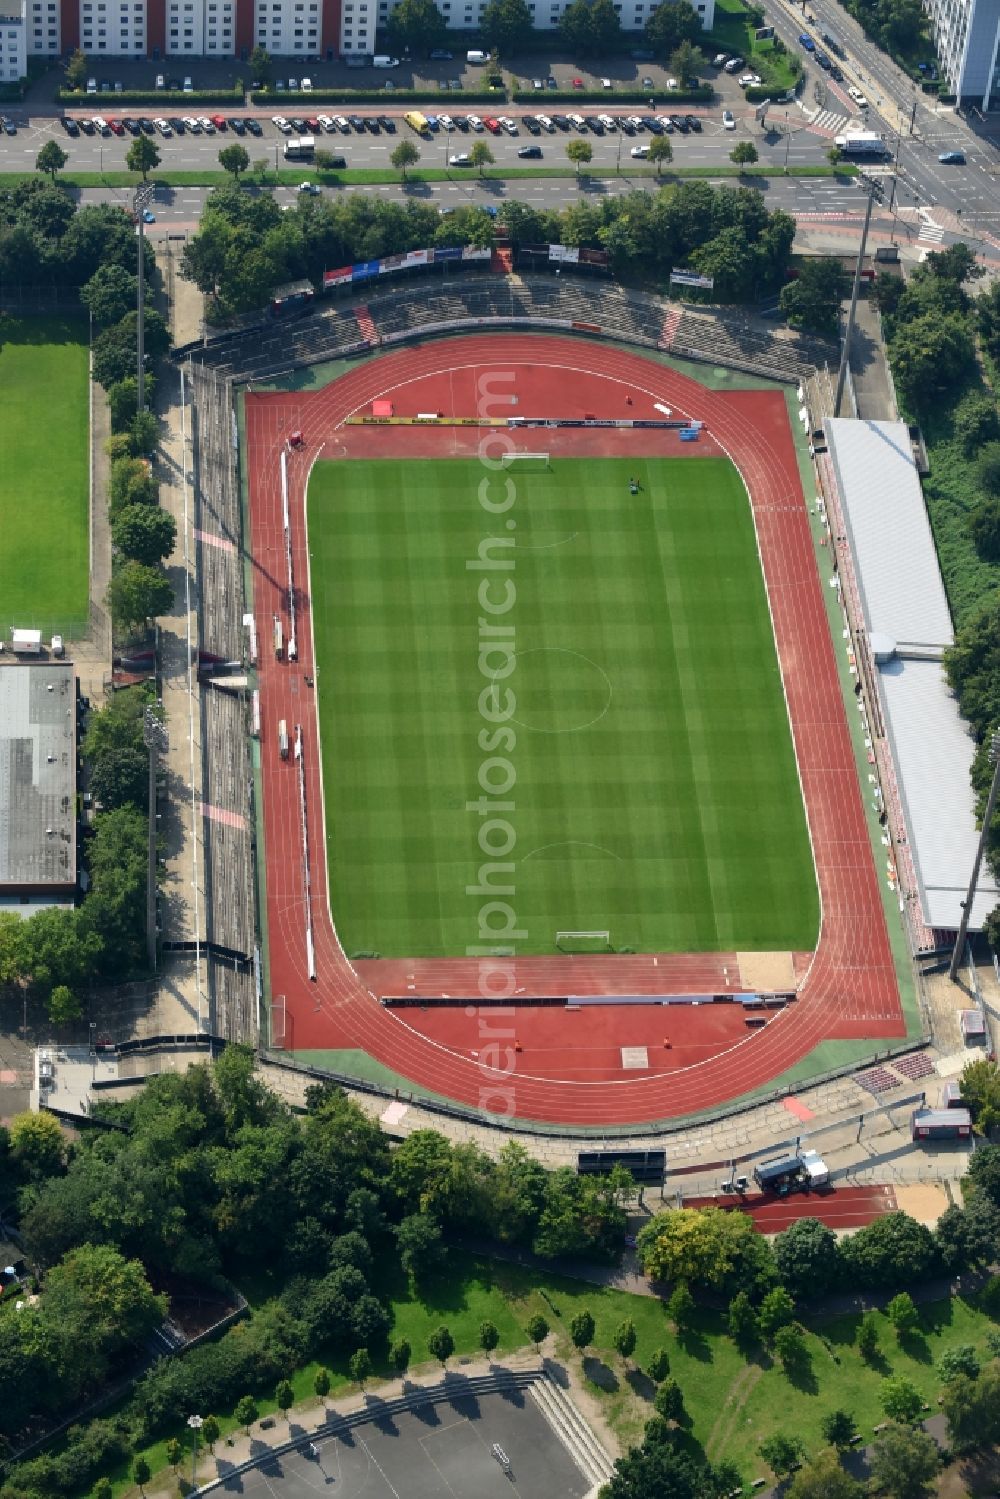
x: 991, y: 801
x: 154, y: 737
x: 873, y: 190
x: 143, y: 196
x: 195, y: 1423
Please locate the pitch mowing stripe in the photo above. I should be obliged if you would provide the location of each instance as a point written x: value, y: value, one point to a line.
x: 655, y: 793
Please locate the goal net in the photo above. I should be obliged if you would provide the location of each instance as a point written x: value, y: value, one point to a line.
x: 533, y: 462
x: 583, y: 942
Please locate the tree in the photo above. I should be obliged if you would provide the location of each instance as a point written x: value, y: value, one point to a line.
x: 624, y: 1340
x: 538, y: 1330
x: 670, y: 25
x: 590, y: 28
x: 790, y: 1347
x: 421, y: 1245
x: 975, y: 421
x: 144, y: 434
x: 260, y: 65
x: 929, y: 353
x: 417, y: 25
x: 110, y: 293
x: 781, y: 1453
x: 669, y: 1400
x: 131, y: 484
x: 405, y: 155
x: 681, y: 1308
x: 103, y: 1489
x: 824, y: 1478
x: 961, y: 1360
x: 506, y: 25
x: 902, y: 1313
x: 284, y: 1396
x: 984, y: 528
x: 904, y: 1461
x: 441, y: 1344
x: 657, y: 1471
x: 707, y: 1248
x: 685, y: 61
x: 807, y: 1258
x: 234, y: 159
x: 142, y: 156
x: 776, y: 1310
x: 76, y: 70
x: 481, y: 156
x: 210, y: 1432
x: 144, y: 533
x: 582, y: 1330
x: 489, y: 1336
x: 37, y: 1144
x: 901, y: 1400
x: 892, y: 1250
x: 137, y: 593
x: 173, y: 1451
x: 659, y: 151
x: 580, y: 153
x: 812, y: 301
x: 741, y: 1320
x: 246, y: 1412
x: 399, y: 1356
x: 980, y: 1085
x: 63, y: 1005
x: 659, y: 1365
x: 321, y: 1384
x: 120, y: 778
x: 51, y: 159
x: 360, y: 1367
x: 972, y: 1409
x: 744, y: 154
x: 839, y: 1429
x: 141, y: 1473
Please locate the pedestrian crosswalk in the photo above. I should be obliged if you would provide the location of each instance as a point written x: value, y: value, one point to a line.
x: 931, y: 234
x: 829, y: 122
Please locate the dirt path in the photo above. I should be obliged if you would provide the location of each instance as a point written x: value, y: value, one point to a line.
x: 739, y: 1393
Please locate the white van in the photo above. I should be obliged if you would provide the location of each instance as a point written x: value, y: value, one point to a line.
x: 381, y: 61
x: 91, y: 85
x: 477, y: 57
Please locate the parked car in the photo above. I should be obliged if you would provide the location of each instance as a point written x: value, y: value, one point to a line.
x: 441, y: 54
x: 176, y: 124
x: 70, y: 126
x: 146, y: 125
x: 254, y: 127
x: 476, y: 124
x: 238, y: 126
x: 728, y: 120
x: 187, y: 87
x: 680, y: 123
x: 734, y: 64
x: 693, y: 123
x: 720, y: 59
x: 388, y: 124
x: 163, y: 127
x: 86, y: 126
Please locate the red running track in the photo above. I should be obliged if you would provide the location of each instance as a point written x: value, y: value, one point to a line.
x: 848, y: 989
x: 841, y: 1207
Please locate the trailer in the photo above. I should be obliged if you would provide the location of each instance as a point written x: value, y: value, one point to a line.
x: 940, y: 1124
x: 283, y: 739
x: 26, y: 642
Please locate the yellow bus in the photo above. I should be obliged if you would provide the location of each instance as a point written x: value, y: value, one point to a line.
x: 418, y: 122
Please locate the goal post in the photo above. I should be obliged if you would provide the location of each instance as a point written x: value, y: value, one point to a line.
x: 583, y: 942
x: 534, y: 462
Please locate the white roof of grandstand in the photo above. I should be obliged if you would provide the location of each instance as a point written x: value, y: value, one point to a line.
x: 933, y: 750
x: 891, y: 541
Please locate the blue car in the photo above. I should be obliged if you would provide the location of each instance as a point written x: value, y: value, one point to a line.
x: 434, y: 122
x: 806, y: 41
x: 952, y: 158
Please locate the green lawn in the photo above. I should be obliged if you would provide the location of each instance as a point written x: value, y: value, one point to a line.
x: 44, y: 479
x: 655, y: 790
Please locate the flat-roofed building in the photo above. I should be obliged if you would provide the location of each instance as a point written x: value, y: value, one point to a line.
x: 37, y: 783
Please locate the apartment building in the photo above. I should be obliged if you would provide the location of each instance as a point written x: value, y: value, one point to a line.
x: 967, y: 40
x: 13, y: 40
x: 305, y: 29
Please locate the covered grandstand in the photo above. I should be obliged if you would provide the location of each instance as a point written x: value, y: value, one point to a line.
x: 908, y: 628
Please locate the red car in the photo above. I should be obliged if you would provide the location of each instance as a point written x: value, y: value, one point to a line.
x: 314, y: 127
x: 492, y: 125
x: 117, y: 127
x: 578, y: 83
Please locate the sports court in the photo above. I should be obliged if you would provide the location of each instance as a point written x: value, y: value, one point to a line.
x: 646, y: 757
x: 434, y: 1452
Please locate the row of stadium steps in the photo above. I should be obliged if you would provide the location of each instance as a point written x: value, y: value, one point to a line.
x: 572, y: 1430
x: 715, y: 339
x: 227, y: 817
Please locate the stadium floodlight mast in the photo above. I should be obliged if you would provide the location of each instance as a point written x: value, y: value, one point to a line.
x: 984, y: 833
x: 195, y: 1423
x: 873, y: 192
x: 143, y: 196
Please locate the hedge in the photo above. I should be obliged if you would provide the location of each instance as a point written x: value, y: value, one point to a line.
x: 758, y: 92
x: 701, y: 93
x: 379, y: 96
x: 80, y: 99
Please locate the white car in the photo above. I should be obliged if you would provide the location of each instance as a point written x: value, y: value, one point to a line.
x: 639, y: 152
x: 190, y: 123
x: 447, y: 123
x: 858, y: 97
x: 734, y: 64
x: 607, y: 122
x: 578, y: 122
x: 546, y: 123
x: 672, y: 83
x: 281, y: 124
x: 606, y: 83
x: 508, y: 124
x: 637, y: 122
x: 308, y: 187
x: 327, y: 123
x: 462, y: 159
x: 728, y: 120
x: 475, y: 123
x: 343, y: 124
x: 206, y: 124
x: 163, y: 127
x: 749, y: 80
x: 306, y: 85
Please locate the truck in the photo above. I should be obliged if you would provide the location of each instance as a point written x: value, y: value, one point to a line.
x: 300, y: 148
x: 802, y: 1172
x: 861, y: 143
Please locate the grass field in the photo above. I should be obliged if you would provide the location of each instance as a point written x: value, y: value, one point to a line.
x: 656, y: 794
x: 44, y: 485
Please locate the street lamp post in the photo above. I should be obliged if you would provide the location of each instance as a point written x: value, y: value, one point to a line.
x: 143, y: 196
x: 195, y: 1423
x: 874, y: 192
x: 155, y: 739
x: 991, y: 801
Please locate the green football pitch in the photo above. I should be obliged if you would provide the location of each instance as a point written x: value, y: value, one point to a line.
x: 44, y: 483
x: 655, y: 792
